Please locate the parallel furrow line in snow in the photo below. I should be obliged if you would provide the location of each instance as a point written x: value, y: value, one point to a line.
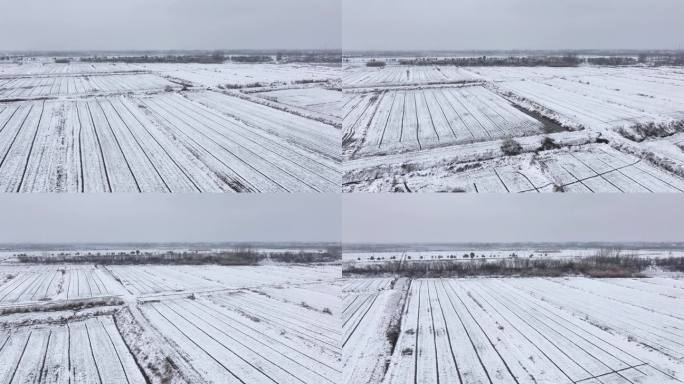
x: 415, y: 110
x: 453, y: 108
x: 172, y: 126
x: 198, y: 345
x: 382, y: 135
x: 528, y: 180
x: 9, y: 148
x: 257, y: 155
x: 434, y: 332
x: 184, y: 171
x: 42, y: 371
x: 560, y: 336
x: 360, y: 321
x: 578, y: 180
x: 446, y: 327
x: 593, y: 170
x: 33, y: 141
x: 9, y: 119
x: 538, y: 309
x: 618, y: 372
x: 471, y: 114
x: 243, y: 345
x: 451, y: 128
x: 116, y: 351
x: 118, y: 144
x: 642, y: 170
x: 264, y: 344
x: 501, y: 180
x: 415, y: 362
x: 92, y: 353
x: 99, y: 145
x: 485, y: 335
x: 23, y: 351
x: 142, y: 149
x: 80, y: 149
x: 626, y: 175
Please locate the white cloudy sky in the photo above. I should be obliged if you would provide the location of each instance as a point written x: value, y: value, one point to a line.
x: 512, y: 24
x: 65, y: 218
x: 400, y: 218
x: 169, y: 24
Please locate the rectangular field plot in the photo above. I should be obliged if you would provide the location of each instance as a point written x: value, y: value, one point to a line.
x: 162, y: 143
x: 368, y: 305
x: 155, y: 279
x: 87, y: 351
x: 318, y: 100
x: 245, y: 337
x: 603, y: 97
x: 34, y: 283
x: 392, y: 75
x: 34, y: 87
x: 396, y: 121
x: 572, y: 330
x: 227, y: 74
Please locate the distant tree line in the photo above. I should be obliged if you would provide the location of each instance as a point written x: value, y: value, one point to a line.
x: 612, y: 60
x: 569, y: 60
x: 375, y: 63
x: 251, y: 59
x: 237, y: 256
x: 214, y: 58
x: 605, y: 263
x: 318, y: 57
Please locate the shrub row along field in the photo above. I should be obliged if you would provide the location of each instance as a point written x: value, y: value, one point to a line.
x: 477, y: 127
x: 521, y: 331
x: 129, y: 128
x: 180, y: 324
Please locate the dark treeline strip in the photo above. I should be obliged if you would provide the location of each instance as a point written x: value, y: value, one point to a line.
x: 215, y: 58
x: 567, y: 60
x: 592, y: 266
x: 225, y: 257
x: 512, y: 61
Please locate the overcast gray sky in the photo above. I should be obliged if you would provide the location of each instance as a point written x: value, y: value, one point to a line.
x: 399, y: 218
x: 512, y: 24
x: 169, y: 24
x: 63, y: 218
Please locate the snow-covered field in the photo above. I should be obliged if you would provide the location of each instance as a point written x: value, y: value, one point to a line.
x: 81, y: 351
x: 177, y: 324
x: 484, y: 330
x: 133, y: 128
x: 442, y: 128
